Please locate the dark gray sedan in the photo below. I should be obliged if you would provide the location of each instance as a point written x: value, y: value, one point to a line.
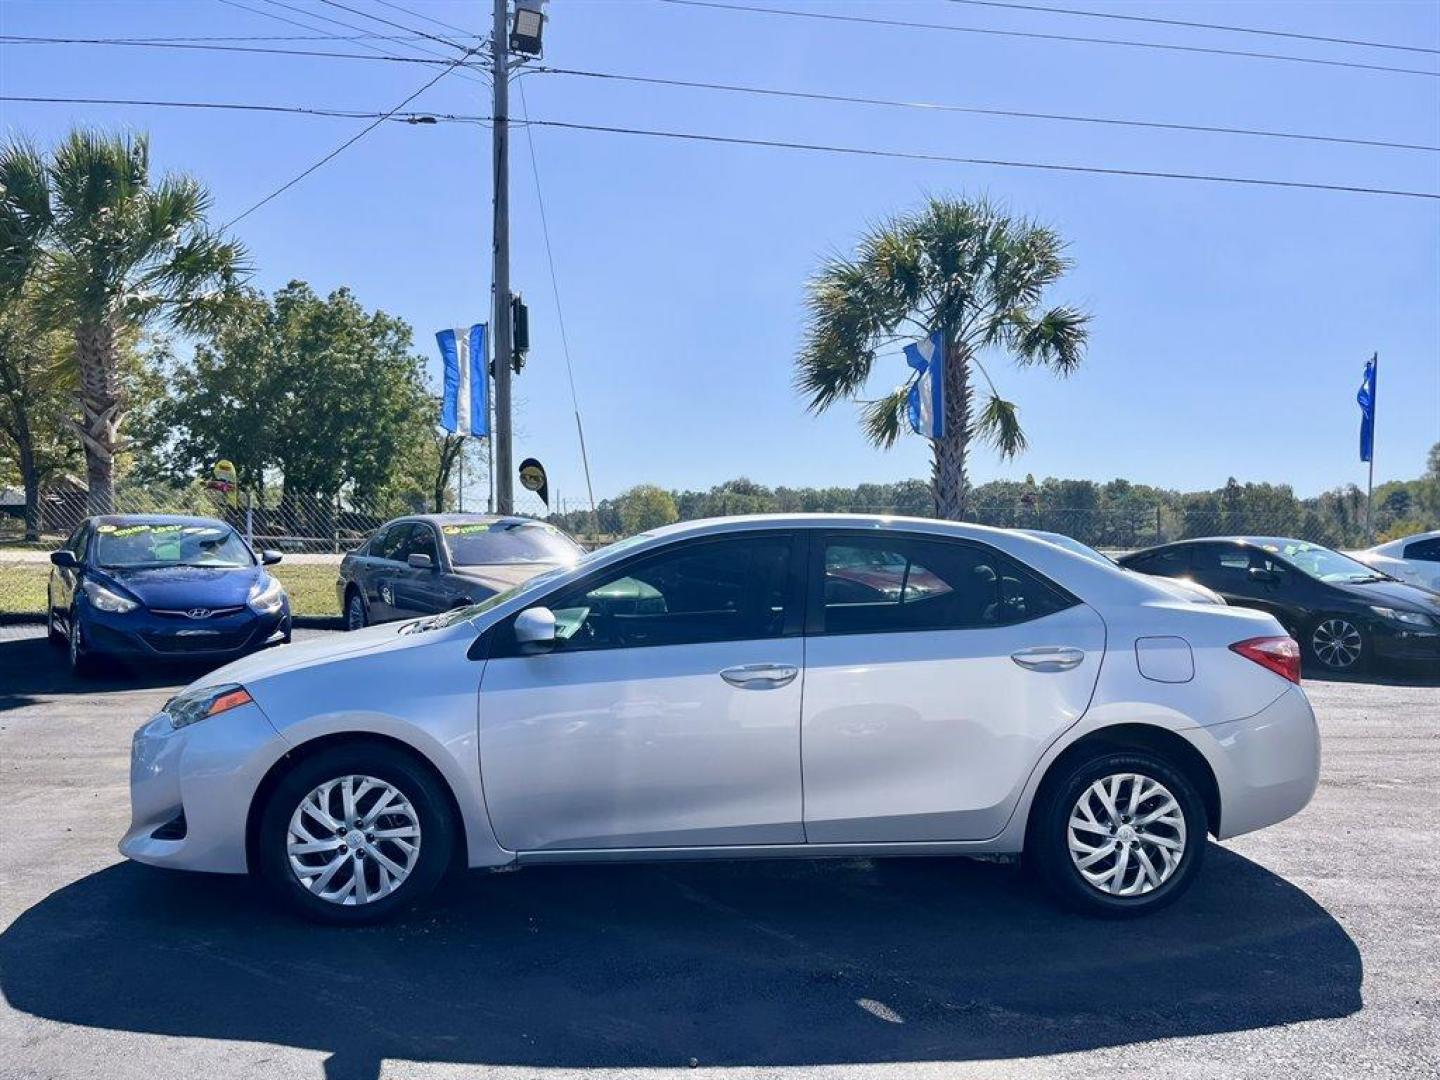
x: 434, y: 562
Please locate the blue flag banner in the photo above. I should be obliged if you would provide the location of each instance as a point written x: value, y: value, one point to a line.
x: 464, y: 409
x: 926, y: 400
x: 1366, y: 398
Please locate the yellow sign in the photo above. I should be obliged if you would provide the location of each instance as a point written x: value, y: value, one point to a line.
x: 226, y: 480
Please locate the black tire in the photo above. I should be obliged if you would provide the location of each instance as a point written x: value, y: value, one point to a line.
x: 53, y: 633
x: 356, y: 617
x: 1329, y: 640
x: 83, y: 663
x: 1047, y: 848
x: 413, y: 780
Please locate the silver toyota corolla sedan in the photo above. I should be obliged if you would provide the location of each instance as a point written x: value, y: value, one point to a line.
x: 778, y: 686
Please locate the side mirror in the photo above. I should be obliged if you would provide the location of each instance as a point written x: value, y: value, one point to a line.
x: 421, y: 561
x: 64, y: 558
x: 269, y: 557
x: 535, y: 630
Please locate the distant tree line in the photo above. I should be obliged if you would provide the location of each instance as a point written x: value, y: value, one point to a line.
x: 1114, y: 514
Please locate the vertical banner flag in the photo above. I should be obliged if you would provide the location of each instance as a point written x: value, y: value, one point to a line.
x: 464, y: 410
x: 1366, y: 398
x: 926, y: 399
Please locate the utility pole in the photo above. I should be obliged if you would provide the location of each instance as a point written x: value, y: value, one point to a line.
x: 500, y: 54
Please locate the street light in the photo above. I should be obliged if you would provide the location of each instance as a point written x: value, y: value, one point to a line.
x: 528, y: 27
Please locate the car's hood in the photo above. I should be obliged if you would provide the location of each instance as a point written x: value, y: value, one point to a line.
x: 316, y: 651
x: 497, y: 577
x: 1394, y: 594
x: 179, y: 588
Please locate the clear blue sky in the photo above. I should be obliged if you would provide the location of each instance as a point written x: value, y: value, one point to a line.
x: 1231, y: 323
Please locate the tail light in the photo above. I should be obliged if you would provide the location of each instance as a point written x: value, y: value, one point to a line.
x: 1280, y: 654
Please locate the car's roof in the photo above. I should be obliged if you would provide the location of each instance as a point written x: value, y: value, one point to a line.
x: 155, y: 519
x: 455, y: 518
x: 1255, y: 541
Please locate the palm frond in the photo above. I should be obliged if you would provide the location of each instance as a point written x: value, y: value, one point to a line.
x: 999, y: 425
x: 1056, y: 339
x: 25, y: 215
x: 884, y: 419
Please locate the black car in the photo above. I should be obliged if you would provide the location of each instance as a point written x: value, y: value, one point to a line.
x: 1344, y: 614
x: 434, y: 562
x: 157, y: 585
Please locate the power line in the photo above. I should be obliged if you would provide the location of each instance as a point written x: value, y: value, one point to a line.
x: 15, y: 39
x: 427, y: 18
x: 250, y: 37
x: 976, y: 110
x: 299, y: 110
x: 345, y: 145
x: 858, y: 151
x: 1036, y: 35
x: 1199, y: 25
x: 386, y: 22
x: 855, y: 151
x: 555, y: 287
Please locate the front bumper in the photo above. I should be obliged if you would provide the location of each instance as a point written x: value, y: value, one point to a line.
x: 1266, y: 765
x: 203, y: 775
x: 1393, y: 642
x: 144, y: 634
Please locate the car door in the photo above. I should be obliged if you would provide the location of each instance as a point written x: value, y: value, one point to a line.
x: 63, y: 582
x: 668, y: 712
x: 1249, y: 577
x: 383, y: 570
x: 936, y: 673
x: 417, y: 591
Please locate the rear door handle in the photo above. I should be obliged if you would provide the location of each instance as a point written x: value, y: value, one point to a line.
x: 760, y: 676
x: 1049, y: 658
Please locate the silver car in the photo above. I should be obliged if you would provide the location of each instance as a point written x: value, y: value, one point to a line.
x: 775, y: 686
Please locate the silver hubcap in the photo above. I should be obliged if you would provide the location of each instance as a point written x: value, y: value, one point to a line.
x: 1336, y: 643
x: 353, y: 840
x: 1126, y: 834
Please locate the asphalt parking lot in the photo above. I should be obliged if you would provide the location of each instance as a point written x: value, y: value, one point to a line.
x: 1310, y: 949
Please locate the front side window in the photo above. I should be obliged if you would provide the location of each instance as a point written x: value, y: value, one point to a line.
x: 421, y: 542
x: 721, y: 590
x: 166, y: 544
x: 1424, y: 550
x: 879, y: 584
x: 390, y: 541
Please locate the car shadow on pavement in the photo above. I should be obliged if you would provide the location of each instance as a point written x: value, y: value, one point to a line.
x: 32, y: 670
x: 667, y: 965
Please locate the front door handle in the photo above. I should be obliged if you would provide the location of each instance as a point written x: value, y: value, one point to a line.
x: 760, y: 676
x: 1049, y: 658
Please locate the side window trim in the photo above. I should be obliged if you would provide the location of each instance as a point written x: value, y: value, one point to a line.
x: 500, y: 645
x: 815, y: 591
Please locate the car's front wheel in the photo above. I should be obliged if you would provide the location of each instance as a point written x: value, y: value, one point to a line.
x: 355, y: 834
x: 82, y: 661
x: 1337, y: 644
x: 1120, y: 833
x: 53, y: 633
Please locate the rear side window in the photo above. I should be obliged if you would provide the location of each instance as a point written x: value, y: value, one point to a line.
x: 874, y: 584
x: 1173, y: 562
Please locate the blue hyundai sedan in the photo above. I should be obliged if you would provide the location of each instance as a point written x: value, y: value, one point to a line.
x: 162, y: 586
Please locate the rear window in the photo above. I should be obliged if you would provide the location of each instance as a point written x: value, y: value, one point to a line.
x: 498, y: 543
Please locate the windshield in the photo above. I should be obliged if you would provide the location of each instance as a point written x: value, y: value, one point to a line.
x: 492, y: 543
x: 170, y: 544
x: 1321, y: 562
x: 458, y: 615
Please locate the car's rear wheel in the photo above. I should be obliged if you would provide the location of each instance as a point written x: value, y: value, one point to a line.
x: 1337, y: 644
x: 355, y: 611
x: 355, y: 834
x: 1120, y: 833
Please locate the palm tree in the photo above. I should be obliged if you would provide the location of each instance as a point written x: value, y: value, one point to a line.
x: 966, y: 268
x: 117, y: 254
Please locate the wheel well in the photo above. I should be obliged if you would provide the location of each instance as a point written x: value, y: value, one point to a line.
x: 307, y: 750
x: 1157, y: 740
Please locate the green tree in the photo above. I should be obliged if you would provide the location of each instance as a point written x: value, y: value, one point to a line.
x: 969, y: 270
x: 646, y: 506
x: 37, y: 392
x: 119, y: 253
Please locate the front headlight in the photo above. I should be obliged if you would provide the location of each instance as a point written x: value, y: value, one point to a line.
x: 266, y: 595
x: 1409, y: 618
x: 191, y: 706
x: 105, y: 600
